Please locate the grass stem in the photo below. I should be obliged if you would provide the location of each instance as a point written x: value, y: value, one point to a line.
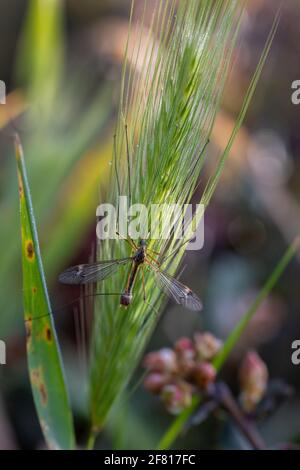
x: 91, y: 440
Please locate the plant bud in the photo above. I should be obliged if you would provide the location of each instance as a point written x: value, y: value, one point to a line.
x: 176, y: 397
x: 155, y: 381
x: 207, y: 346
x: 185, y: 346
x: 253, y: 381
x: 163, y: 360
x: 204, y: 374
x: 185, y: 351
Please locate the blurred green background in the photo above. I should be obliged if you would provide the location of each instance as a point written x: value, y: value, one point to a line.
x: 61, y: 62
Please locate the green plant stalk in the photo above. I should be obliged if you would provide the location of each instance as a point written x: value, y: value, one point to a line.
x: 267, y: 288
x: 91, y: 441
x: 176, y: 427
x: 43, y: 353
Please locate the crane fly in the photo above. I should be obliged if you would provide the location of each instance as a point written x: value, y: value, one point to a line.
x: 98, y: 271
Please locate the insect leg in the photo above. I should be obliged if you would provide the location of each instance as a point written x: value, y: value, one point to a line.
x: 143, y: 282
x: 85, y: 296
x: 154, y: 252
x: 128, y: 240
x: 153, y: 259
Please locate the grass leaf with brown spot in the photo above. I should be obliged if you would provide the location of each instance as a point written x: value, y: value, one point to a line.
x: 44, y: 359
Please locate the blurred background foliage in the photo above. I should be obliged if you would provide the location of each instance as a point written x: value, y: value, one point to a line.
x: 61, y: 62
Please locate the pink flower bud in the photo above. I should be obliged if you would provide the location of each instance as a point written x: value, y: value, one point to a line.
x: 176, y: 397
x: 204, y: 374
x: 155, y: 381
x: 185, y: 351
x: 253, y: 381
x: 163, y: 360
x: 185, y: 346
x: 207, y: 346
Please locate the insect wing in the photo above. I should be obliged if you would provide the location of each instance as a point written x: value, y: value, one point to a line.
x: 182, y: 294
x: 93, y: 272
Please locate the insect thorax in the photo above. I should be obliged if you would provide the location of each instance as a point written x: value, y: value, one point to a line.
x: 140, y: 256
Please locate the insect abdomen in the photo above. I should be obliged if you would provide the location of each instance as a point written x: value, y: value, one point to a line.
x: 126, y: 299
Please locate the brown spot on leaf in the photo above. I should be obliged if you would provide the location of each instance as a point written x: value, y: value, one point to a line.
x: 34, y: 290
x: 43, y: 392
x: 37, y: 381
x: 29, y: 250
x: 35, y: 376
x: 48, y: 334
x: 21, y: 189
x: 28, y: 328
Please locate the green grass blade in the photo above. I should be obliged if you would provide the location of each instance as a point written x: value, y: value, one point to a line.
x: 41, y: 49
x: 176, y: 427
x: 44, y: 360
